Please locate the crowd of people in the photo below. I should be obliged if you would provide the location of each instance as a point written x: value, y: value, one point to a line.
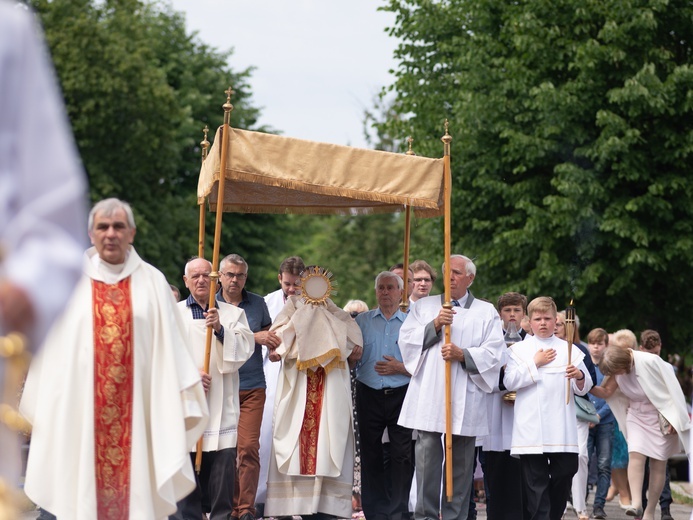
x: 229, y: 405
x: 306, y: 409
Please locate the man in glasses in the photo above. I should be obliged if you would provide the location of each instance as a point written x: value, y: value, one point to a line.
x: 234, y: 275
x: 424, y: 276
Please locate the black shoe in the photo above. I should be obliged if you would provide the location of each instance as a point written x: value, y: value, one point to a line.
x: 598, y: 512
x: 666, y: 514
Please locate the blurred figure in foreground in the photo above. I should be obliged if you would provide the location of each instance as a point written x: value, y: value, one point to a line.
x: 42, y: 205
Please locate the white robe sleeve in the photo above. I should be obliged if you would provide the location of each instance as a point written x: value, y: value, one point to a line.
x: 239, y: 341
x: 487, y: 356
x: 411, y: 339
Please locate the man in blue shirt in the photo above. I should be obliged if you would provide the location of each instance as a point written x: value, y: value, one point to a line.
x: 234, y: 274
x: 381, y: 384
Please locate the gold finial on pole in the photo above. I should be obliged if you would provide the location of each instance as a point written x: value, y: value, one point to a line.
x: 205, y: 143
x: 447, y: 139
x: 228, y: 107
x: 410, y: 140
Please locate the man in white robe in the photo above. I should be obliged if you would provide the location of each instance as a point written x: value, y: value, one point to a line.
x: 232, y: 345
x: 42, y: 203
x: 290, y: 284
x: 114, y: 397
x: 545, y: 426
x: 312, y: 461
x: 475, y: 353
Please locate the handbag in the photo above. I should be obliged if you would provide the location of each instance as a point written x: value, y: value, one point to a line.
x: 585, y: 410
x: 665, y: 426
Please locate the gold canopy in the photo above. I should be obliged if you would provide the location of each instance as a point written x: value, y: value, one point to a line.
x: 268, y: 173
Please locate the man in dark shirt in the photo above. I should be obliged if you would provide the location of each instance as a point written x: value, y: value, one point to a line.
x: 234, y: 274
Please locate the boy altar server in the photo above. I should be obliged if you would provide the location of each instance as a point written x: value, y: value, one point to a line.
x: 545, y: 428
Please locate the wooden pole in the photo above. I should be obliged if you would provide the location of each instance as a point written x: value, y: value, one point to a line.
x: 569, y: 333
x: 447, y: 193
x: 404, y: 304
x: 201, y: 236
x: 214, y: 275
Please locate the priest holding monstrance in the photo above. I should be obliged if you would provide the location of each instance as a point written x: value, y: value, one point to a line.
x: 311, y: 465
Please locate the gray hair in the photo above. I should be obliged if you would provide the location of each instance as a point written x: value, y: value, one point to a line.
x: 356, y: 306
x: 469, y: 266
x: 389, y: 274
x: 192, y: 259
x: 107, y: 207
x: 233, y: 258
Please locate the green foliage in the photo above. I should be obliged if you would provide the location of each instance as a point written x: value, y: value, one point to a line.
x: 572, y: 147
x: 139, y: 89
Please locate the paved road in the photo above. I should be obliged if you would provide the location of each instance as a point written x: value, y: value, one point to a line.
x: 612, y: 509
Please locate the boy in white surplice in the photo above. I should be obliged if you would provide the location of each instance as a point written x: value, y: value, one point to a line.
x: 545, y: 427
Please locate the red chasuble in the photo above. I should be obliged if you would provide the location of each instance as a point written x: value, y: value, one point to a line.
x: 113, y: 383
x: 308, y: 438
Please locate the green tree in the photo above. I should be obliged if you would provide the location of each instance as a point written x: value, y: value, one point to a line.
x: 139, y: 89
x: 572, y: 141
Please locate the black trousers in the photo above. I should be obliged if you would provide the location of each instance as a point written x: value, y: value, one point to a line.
x: 384, y: 496
x: 214, y: 490
x: 546, y: 480
x: 503, y: 476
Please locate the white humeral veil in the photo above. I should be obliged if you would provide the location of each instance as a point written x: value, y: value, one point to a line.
x: 309, y: 332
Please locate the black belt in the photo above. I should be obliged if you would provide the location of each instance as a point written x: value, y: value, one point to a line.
x: 385, y: 391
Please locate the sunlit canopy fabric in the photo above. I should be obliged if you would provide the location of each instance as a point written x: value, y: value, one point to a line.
x: 268, y: 173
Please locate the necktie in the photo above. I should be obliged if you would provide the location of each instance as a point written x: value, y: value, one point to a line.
x: 455, y: 303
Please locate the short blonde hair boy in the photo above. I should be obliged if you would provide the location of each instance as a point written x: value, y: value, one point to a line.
x: 542, y: 304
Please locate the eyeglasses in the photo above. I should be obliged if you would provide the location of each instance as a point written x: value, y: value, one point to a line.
x: 422, y: 280
x: 353, y: 314
x: 231, y: 276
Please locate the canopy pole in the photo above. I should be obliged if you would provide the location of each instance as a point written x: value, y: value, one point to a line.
x: 447, y: 191
x: 214, y: 275
x: 201, y: 236
x: 404, y: 304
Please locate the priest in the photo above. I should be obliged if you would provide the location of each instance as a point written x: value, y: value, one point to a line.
x: 312, y: 462
x: 114, y: 397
